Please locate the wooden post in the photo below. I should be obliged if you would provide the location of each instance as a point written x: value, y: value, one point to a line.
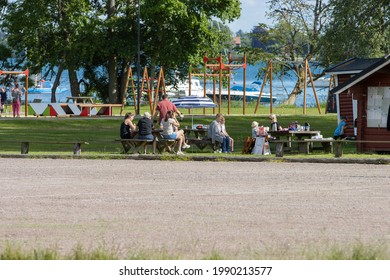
x: 262, y: 86
x: 145, y: 78
x: 314, y: 88
x: 24, y: 148
x: 279, y: 149
x: 338, y: 148
x: 205, y: 81
x: 229, y: 81
x: 133, y: 89
x: 220, y: 84
x: 244, y: 87
x: 26, y: 99
x: 270, y: 87
x: 160, y: 82
x: 304, y: 88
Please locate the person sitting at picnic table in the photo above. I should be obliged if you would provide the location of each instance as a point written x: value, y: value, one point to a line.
x: 261, y: 145
x: 339, y: 131
x: 223, y: 121
x: 167, y: 125
x: 255, y: 129
x: 145, y: 130
x: 216, y: 135
x: 127, y: 129
x: 163, y: 107
x: 275, y: 126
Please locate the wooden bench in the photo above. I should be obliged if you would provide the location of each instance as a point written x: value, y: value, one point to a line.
x: 203, y: 143
x: 134, y: 144
x: 162, y: 145
x: 339, y: 144
x: 166, y: 145
x: 304, y: 146
x: 327, y: 145
x: 307, y: 145
x: 25, y: 145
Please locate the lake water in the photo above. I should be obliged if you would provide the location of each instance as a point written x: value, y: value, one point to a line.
x: 280, y: 89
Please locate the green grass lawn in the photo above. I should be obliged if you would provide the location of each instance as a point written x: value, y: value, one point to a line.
x: 100, y: 132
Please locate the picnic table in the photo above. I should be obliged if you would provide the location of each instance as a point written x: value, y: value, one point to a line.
x: 200, y: 133
x: 298, y: 135
x: 201, y: 139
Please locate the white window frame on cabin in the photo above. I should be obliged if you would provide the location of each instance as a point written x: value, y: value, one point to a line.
x: 378, y: 102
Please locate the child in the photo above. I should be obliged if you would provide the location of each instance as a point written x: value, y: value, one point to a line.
x: 255, y: 129
x: 339, y: 131
x: 261, y: 146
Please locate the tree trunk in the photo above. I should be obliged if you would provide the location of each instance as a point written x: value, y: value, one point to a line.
x: 56, y: 83
x: 292, y: 96
x: 112, y: 76
x: 74, y: 82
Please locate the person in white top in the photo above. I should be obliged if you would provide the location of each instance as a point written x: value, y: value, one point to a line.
x: 167, y: 125
x: 223, y: 131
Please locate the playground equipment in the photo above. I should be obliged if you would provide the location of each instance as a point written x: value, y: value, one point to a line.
x: 307, y: 72
x: 148, y: 87
x: 215, y: 68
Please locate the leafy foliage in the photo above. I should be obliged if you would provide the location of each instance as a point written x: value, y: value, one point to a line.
x: 358, y: 29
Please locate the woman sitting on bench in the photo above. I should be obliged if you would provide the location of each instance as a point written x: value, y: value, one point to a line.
x: 168, y: 124
x: 127, y: 130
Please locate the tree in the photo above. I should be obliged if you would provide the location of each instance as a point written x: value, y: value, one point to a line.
x: 358, y: 29
x: 293, y: 39
x: 99, y: 36
x: 47, y: 32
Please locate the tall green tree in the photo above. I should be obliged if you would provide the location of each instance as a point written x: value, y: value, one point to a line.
x: 357, y: 28
x: 293, y: 39
x: 47, y: 30
x: 100, y: 36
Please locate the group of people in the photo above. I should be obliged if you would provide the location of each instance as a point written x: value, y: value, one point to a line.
x: 170, y: 129
x: 260, y: 136
x: 168, y: 124
x: 16, y: 93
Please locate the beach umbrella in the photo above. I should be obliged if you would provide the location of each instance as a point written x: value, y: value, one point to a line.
x: 193, y: 102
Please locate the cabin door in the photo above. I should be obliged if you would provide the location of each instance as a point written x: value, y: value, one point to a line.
x: 355, y: 115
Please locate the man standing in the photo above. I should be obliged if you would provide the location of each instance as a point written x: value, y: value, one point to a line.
x: 163, y: 107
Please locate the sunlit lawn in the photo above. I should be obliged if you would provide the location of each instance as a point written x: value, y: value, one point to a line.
x: 101, y: 132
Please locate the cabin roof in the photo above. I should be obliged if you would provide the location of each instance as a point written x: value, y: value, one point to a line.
x: 372, y: 66
x: 352, y: 66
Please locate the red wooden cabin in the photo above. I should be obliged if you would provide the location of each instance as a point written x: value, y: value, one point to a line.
x: 363, y: 95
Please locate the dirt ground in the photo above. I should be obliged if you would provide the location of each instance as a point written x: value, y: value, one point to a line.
x: 191, y: 210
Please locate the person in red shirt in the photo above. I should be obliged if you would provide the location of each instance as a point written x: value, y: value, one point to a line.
x: 163, y: 107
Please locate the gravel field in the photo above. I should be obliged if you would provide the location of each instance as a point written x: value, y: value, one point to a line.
x: 191, y: 210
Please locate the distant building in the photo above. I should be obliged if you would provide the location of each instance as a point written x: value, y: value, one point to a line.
x: 236, y: 42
